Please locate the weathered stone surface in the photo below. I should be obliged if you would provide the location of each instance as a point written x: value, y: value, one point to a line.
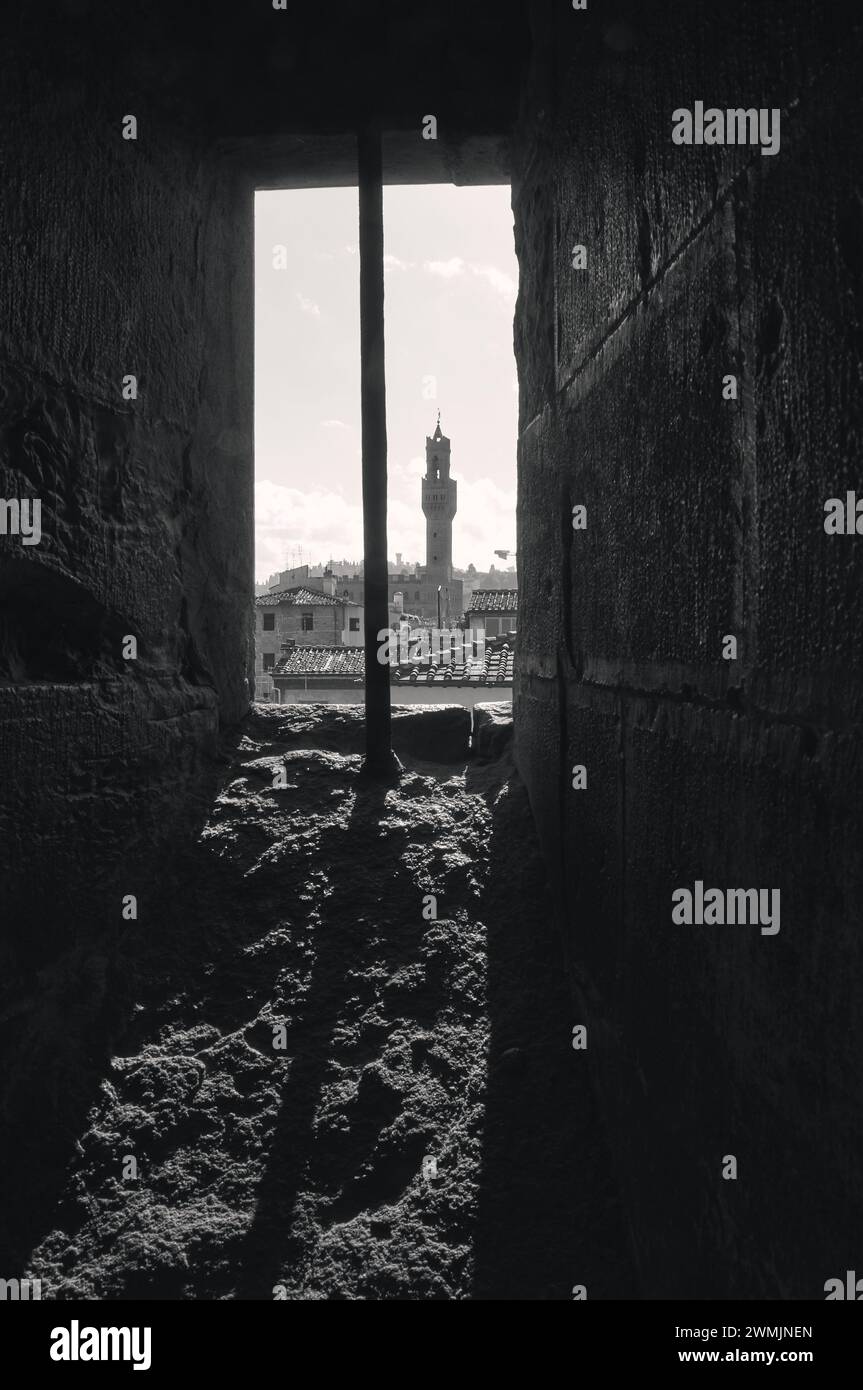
x: 544, y: 522
x: 492, y: 729
x: 120, y: 258
x: 621, y: 186
x: 705, y: 517
x: 806, y: 306
x: 406, y: 1037
x: 438, y: 732
x: 734, y: 1050
x: 653, y: 579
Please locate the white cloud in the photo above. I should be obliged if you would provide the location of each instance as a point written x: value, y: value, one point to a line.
x: 394, y: 263
x: 308, y: 306
x: 484, y: 522
x: 447, y: 269
x: 503, y: 284
x: 334, y: 425
x: 500, y: 282
x: 414, y: 468
x: 323, y: 523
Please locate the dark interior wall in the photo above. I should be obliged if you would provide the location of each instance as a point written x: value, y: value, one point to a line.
x: 118, y: 257
x: 705, y: 518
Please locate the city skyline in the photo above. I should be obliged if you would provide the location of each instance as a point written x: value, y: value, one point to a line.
x: 450, y: 281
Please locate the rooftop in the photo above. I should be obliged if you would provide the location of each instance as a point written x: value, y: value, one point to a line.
x: 494, y: 601
x: 322, y: 661
x: 348, y: 663
x: 302, y: 597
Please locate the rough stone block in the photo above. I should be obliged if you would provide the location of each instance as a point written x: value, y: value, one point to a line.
x: 492, y: 729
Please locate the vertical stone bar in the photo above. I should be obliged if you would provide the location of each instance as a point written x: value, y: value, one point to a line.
x: 380, y: 762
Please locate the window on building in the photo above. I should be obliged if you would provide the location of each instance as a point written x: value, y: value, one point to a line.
x: 354, y: 624
x: 417, y: 594
x: 308, y: 622
x: 269, y: 660
x: 492, y: 627
x: 269, y: 622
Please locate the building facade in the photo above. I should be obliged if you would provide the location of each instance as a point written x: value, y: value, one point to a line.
x: 301, y: 617
x: 495, y: 611
x: 418, y: 596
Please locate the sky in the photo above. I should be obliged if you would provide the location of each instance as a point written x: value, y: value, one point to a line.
x: 450, y: 282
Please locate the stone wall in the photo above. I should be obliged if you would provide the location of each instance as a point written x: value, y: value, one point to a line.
x: 704, y: 519
x: 121, y: 258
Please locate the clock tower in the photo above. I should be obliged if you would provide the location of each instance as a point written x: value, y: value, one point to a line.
x: 439, y: 504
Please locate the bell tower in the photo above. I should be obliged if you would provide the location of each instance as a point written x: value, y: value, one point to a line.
x: 439, y: 504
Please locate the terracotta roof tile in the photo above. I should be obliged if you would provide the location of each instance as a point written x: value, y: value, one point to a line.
x: 494, y: 601
x: 300, y: 597
x: 349, y: 662
x: 322, y: 661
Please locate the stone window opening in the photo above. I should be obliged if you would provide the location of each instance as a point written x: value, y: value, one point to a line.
x: 368, y: 148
